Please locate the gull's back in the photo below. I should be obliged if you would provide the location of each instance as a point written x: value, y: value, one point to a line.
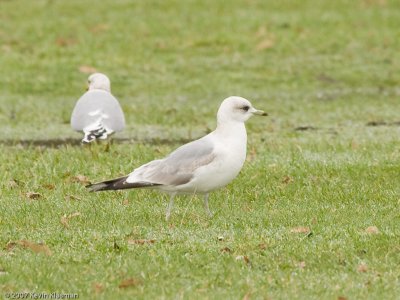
x: 95, y: 104
x: 179, y: 166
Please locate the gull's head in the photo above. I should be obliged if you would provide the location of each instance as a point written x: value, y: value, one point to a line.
x: 99, y: 81
x: 237, y: 109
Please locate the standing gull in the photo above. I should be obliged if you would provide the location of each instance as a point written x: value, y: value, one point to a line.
x: 198, y: 167
x: 97, y: 113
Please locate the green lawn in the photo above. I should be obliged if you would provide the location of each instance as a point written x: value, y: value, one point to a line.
x: 314, y: 214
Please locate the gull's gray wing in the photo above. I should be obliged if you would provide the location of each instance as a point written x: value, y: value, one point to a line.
x: 92, y: 105
x: 178, y: 167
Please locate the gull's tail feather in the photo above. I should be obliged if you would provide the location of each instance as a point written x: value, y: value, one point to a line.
x: 118, y: 184
x: 97, y: 131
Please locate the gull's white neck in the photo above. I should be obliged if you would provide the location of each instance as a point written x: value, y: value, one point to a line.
x: 104, y: 89
x: 232, y: 130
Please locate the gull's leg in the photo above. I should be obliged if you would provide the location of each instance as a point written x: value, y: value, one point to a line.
x: 170, y: 206
x: 206, y: 207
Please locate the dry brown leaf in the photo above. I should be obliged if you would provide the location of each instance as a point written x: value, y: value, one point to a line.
x: 33, y: 195
x: 125, y: 202
x: 65, y: 42
x: 341, y: 298
x: 372, y: 230
x: 72, y: 197
x: 49, y: 186
x: 262, y: 246
x: 287, y: 179
x: 362, y: 268
x: 267, y: 43
x: 13, y: 183
x: 301, y: 264
x: 140, y: 242
x: 81, y: 179
x: 130, y: 282
x: 37, y: 248
x: 226, y: 250
x: 300, y: 229
x: 65, y: 219
x: 245, y: 258
x: 97, y: 287
x: 10, y: 246
x: 87, y: 69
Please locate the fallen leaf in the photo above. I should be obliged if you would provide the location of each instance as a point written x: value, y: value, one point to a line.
x: 341, y: 298
x: 301, y: 264
x: 33, y: 195
x: 265, y: 44
x: 300, y: 229
x: 72, y: 197
x: 13, y: 183
x: 87, y: 69
x: 65, y: 219
x: 37, y: 248
x: 372, y: 230
x: 244, y: 258
x: 226, y: 250
x: 97, y: 287
x: 262, y: 246
x: 140, y: 242
x: 125, y: 202
x: 10, y: 246
x: 81, y: 179
x: 66, y: 42
x: 362, y: 268
x: 130, y: 282
x: 49, y: 186
x: 287, y: 179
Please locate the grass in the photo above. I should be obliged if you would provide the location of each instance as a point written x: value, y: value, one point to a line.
x: 332, y: 65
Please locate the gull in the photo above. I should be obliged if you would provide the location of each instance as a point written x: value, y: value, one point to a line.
x: 97, y: 113
x: 199, y: 167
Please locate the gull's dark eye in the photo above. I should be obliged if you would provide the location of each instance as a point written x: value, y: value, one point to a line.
x: 246, y: 108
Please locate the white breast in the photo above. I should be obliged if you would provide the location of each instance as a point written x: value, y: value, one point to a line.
x: 230, y: 154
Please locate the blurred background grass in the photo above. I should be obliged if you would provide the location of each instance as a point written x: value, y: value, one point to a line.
x: 171, y: 62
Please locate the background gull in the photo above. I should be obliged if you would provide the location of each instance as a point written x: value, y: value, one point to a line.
x: 198, y: 167
x: 97, y: 113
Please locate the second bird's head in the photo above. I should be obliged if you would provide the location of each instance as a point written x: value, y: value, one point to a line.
x: 99, y: 81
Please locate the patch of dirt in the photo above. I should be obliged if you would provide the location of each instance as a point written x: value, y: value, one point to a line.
x: 305, y: 128
x: 383, y: 123
x: 57, y: 143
